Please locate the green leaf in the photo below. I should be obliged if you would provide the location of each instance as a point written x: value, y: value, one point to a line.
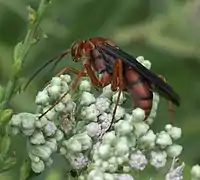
x: 5, y: 116
x: 8, y: 164
x: 25, y: 170
x: 17, y: 51
x: 5, y: 144
x: 2, y: 92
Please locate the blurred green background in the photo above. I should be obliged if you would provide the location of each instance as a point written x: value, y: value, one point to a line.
x: 166, y: 32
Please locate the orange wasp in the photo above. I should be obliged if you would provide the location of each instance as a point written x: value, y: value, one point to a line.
x: 117, y: 67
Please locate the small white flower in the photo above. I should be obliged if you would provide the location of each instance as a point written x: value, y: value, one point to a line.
x: 108, y: 176
x: 60, y: 107
x: 85, y: 140
x: 37, y: 138
x: 27, y: 120
x: 85, y: 85
x: 158, y: 159
x: 93, y: 129
x: 70, y: 107
x: 123, y: 127
x: 163, y: 139
x: 58, y: 135
x: 50, y: 128
x: 148, y: 140
x: 42, y: 98
x: 66, y: 99
x: 175, y: 173
x: 95, y: 175
x: 105, y: 120
x: 107, y: 92
x: 174, y: 150
x: 89, y: 113
x: 122, y: 98
x: 16, y: 120
x: 124, y: 177
x: 74, y: 145
x: 41, y: 151
x: 50, y: 114
x: 140, y: 128
x: 195, y: 172
x: 34, y: 157
x: 121, y: 148
x: 66, y: 78
x: 102, y: 104
x: 138, y: 161
x: 79, y: 161
x: 37, y: 167
x: 175, y: 132
x: 87, y: 98
x: 110, y: 138
x: 126, y: 169
x: 120, y: 112
x: 147, y: 64
x: 54, y: 91
x: 52, y: 144
x: 138, y: 114
x: 140, y: 59
x: 56, y: 81
x: 104, y: 151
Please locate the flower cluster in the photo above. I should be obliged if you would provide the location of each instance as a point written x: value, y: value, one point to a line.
x: 82, y: 127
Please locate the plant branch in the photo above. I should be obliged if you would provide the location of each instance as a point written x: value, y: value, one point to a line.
x: 22, y: 50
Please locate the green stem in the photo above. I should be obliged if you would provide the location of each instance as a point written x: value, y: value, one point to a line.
x: 27, y: 44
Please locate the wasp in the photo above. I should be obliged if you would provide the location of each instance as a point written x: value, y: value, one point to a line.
x: 123, y: 71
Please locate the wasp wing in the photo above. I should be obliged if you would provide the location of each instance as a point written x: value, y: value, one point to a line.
x: 159, y: 85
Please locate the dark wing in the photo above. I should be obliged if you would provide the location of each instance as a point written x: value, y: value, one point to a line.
x: 159, y: 85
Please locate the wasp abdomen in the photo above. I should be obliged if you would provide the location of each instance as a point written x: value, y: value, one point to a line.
x: 139, y: 90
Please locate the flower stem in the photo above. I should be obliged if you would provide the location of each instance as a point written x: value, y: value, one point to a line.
x: 33, y: 28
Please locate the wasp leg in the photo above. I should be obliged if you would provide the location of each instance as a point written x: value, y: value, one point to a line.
x: 170, y: 104
x: 117, y: 77
x: 73, y: 86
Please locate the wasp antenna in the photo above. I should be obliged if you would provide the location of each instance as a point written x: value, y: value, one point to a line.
x: 57, y: 58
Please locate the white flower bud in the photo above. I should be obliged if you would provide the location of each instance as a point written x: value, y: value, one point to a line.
x: 66, y: 78
x: 15, y: 130
x: 41, y: 122
x: 140, y: 128
x: 175, y: 173
x: 37, y: 138
x: 79, y: 161
x: 27, y: 120
x: 85, y: 140
x: 108, y: 176
x: 54, y: 91
x: 66, y: 99
x: 89, y: 113
x: 42, y: 98
x: 56, y: 81
x: 95, y: 175
x: 123, y: 127
x: 58, y: 135
x: 87, y: 98
x: 60, y: 107
x: 140, y: 59
x: 50, y: 128
x: 37, y: 167
x: 107, y: 92
x: 158, y: 159
x: 27, y: 132
x: 163, y: 139
x: 174, y: 150
x: 121, y: 148
x: 74, y: 146
x: 102, y: 104
x: 85, y: 85
x: 174, y: 132
x: 138, y: 161
x: 52, y: 144
x: 120, y: 112
x: 16, y: 120
x: 63, y: 151
x: 104, y: 151
x: 195, y: 172
x: 93, y: 129
x: 41, y: 151
x: 124, y: 177
x: 50, y: 114
x: 148, y: 140
x: 34, y: 157
x: 122, y: 98
x: 138, y: 114
x: 126, y: 169
x: 112, y: 168
x: 147, y: 64
x: 104, y: 165
x: 110, y: 138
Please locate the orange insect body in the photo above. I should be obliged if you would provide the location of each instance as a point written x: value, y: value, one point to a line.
x: 139, y: 90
